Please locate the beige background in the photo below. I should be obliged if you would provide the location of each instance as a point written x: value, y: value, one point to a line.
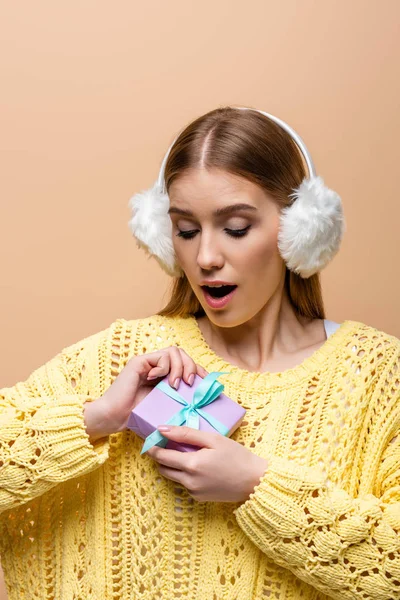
x: 93, y: 92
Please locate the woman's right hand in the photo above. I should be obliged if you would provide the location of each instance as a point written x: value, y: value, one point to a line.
x: 110, y: 413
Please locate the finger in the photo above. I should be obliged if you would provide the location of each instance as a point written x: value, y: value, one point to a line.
x: 201, y: 371
x: 176, y: 367
x: 172, y: 474
x: 188, y: 435
x: 169, y: 458
x: 162, y: 368
x: 142, y: 364
x: 189, y: 367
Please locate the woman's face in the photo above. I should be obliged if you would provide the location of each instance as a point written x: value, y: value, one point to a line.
x: 225, y: 232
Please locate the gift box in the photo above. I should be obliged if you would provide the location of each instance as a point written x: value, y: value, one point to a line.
x: 202, y: 406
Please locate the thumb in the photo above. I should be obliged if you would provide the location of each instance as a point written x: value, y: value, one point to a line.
x: 188, y: 435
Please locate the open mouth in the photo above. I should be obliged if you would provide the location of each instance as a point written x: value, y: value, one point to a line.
x: 219, y: 291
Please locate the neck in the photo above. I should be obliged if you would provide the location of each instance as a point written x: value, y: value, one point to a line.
x: 270, y: 341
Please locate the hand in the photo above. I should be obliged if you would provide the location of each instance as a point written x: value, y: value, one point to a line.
x: 221, y: 471
x: 110, y: 413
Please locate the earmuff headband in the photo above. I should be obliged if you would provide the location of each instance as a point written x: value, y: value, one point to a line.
x: 311, y: 227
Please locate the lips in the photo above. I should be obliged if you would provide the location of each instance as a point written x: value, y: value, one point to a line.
x: 218, y: 296
x: 218, y: 291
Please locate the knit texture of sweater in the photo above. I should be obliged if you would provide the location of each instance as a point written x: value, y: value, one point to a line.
x: 99, y: 522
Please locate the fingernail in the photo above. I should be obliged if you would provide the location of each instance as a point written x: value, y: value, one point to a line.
x: 152, y: 377
x: 176, y: 383
x: 163, y: 428
x: 191, y: 379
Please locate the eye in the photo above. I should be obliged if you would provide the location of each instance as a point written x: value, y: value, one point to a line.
x: 187, y: 235
x: 238, y: 232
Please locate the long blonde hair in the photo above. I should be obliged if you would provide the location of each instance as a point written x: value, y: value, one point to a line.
x: 248, y: 144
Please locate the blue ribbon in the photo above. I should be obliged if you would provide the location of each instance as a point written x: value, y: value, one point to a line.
x: 206, y: 392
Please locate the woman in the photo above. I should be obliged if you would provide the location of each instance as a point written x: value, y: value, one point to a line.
x: 303, y: 500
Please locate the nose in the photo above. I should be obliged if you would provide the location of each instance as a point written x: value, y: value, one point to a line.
x: 209, y: 255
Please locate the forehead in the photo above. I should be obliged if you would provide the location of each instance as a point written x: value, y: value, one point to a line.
x: 213, y: 188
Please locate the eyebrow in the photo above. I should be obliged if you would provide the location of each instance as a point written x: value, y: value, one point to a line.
x: 217, y: 213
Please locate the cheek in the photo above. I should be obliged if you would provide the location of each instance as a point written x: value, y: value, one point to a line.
x: 183, y: 252
x: 262, y: 251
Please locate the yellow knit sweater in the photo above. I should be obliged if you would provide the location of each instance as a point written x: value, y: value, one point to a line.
x: 80, y: 522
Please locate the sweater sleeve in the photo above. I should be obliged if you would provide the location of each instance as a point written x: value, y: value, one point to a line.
x: 43, y: 439
x: 346, y: 547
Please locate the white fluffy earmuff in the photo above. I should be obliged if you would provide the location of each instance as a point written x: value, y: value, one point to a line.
x: 310, y: 233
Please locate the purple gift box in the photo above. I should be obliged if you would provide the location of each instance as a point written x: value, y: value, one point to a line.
x: 157, y: 408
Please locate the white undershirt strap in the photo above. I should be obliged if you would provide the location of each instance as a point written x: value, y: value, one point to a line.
x: 330, y: 327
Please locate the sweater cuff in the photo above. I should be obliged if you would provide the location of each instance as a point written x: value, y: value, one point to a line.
x: 58, y: 430
x: 276, y: 504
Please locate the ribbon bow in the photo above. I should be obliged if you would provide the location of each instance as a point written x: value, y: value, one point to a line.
x: 206, y: 392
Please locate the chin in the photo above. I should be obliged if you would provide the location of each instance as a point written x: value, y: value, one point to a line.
x: 225, y: 318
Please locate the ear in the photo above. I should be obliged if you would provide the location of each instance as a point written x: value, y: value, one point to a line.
x: 152, y: 227
x: 312, y: 227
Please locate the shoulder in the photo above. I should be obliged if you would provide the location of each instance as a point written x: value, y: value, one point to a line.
x: 370, y: 338
x: 154, y: 330
x: 375, y: 352
x: 122, y: 329
x: 135, y: 334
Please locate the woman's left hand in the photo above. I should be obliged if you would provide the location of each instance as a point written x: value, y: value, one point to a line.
x: 221, y: 471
